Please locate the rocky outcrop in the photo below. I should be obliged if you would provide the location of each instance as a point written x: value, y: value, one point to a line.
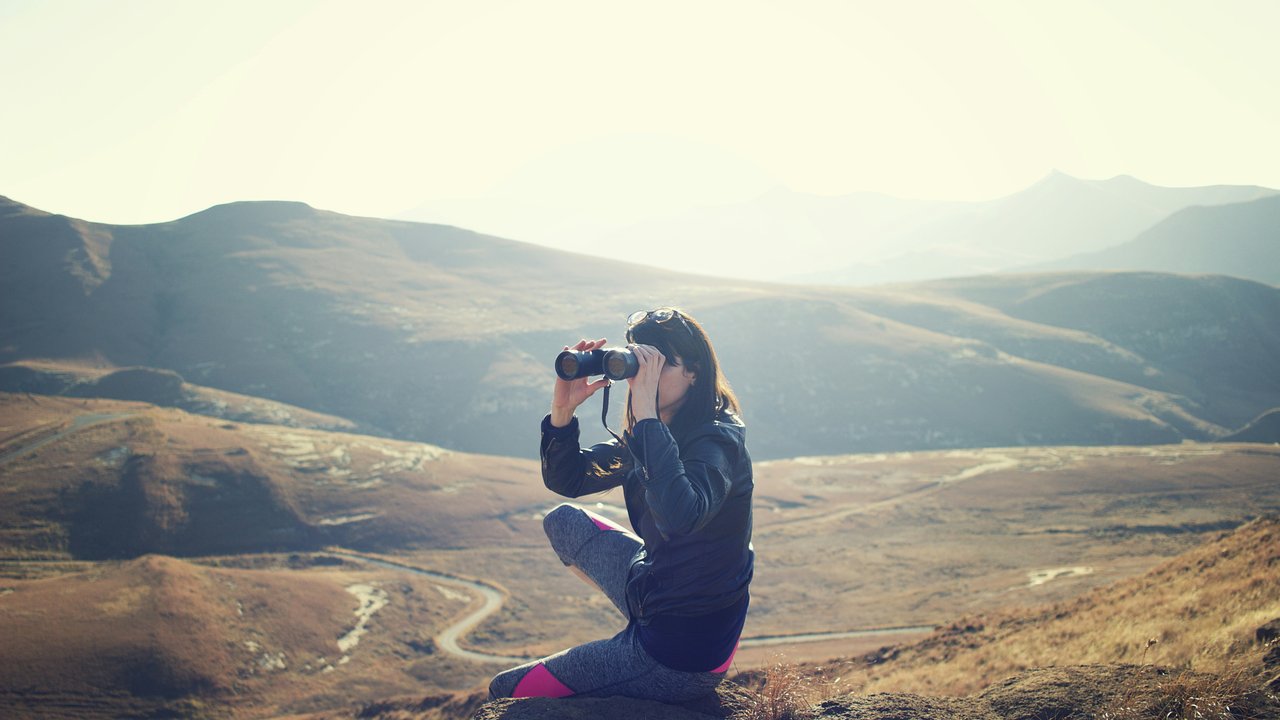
x: 141, y: 384
x: 1082, y: 692
x: 729, y: 701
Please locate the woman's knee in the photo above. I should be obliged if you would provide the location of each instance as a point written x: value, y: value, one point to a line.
x: 500, y: 686
x: 504, y: 683
x: 560, y: 516
x: 565, y: 521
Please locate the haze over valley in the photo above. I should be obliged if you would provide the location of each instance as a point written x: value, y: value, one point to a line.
x: 869, y: 238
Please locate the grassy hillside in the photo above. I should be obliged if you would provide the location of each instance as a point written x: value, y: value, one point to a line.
x: 105, y: 479
x: 162, y: 637
x: 1203, y: 339
x: 434, y: 334
x: 1198, y: 611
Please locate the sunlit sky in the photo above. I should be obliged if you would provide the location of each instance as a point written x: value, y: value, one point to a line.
x: 135, y: 112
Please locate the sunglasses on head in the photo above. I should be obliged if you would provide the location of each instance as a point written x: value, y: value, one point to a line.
x: 661, y: 315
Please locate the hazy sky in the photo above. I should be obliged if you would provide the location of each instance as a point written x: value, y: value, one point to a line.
x: 131, y: 112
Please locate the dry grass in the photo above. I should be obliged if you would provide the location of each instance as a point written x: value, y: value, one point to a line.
x: 1233, y: 694
x: 1201, y: 608
x: 787, y: 691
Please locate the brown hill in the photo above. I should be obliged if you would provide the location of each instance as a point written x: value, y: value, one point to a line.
x: 106, y: 479
x: 1198, y: 611
x: 432, y: 333
x: 157, y: 387
x: 160, y: 637
x: 153, y: 633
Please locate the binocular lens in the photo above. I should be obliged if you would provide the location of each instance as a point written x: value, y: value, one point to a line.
x: 620, y: 364
x: 573, y: 364
x: 568, y: 366
x: 614, y: 363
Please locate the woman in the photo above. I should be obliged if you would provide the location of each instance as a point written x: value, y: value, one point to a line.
x: 686, y: 475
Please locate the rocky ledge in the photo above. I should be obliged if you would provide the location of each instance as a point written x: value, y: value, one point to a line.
x: 1083, y: 692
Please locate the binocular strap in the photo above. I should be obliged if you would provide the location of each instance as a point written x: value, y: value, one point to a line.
x: 604, y: 413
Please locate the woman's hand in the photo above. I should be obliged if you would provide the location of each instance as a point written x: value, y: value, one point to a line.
x: 644, y: 386
x: 569, y: 394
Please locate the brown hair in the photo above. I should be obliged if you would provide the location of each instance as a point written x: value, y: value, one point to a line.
x: 710, y: 397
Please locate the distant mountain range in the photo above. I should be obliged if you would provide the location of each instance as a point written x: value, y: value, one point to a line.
x: 1240, y: 239
x: 868, y: 238
x: 437, y: 334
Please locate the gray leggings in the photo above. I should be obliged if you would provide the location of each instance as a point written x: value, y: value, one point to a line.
x: 603, y: 550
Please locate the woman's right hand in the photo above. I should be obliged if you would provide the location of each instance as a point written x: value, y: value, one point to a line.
x: 569, y: 394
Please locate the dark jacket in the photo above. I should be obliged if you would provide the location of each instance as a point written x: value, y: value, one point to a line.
x: 691, y: 504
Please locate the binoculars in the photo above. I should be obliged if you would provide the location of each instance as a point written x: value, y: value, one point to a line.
x: 613, y: 363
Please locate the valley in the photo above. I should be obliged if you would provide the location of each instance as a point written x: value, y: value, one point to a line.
x: 895, y: 543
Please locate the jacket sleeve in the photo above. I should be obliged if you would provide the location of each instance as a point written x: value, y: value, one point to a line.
x: 569, y: 470
x: 683, y: 495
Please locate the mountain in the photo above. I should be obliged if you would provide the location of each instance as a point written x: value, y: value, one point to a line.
x: 1182, y: 335
x: 1240, y: 239
x: 1058, y: 216
x: 868, y: 238
x: 436, y: 334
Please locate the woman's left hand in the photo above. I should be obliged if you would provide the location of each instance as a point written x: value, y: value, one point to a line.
x: 644, y: 386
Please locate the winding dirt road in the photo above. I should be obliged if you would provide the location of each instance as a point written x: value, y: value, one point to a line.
x: 448, y: 639
x: 995, y: 463
x: 492, y: 597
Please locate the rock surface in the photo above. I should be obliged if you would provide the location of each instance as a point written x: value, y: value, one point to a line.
x: 1083, y: 692
x: 728, y: 700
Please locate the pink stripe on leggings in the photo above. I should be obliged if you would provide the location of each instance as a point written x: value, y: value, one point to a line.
x: 604, y: 523
x: 727, y: 663
x: 539, y: 682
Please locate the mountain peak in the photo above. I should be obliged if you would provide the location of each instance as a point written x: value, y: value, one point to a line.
x: 1056, y: 175
x: 11, y: 208
x: 254, y: 211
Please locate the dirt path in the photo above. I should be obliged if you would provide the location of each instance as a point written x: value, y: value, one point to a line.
x: 80, y: 422
x: 448, y: 639
x: 996, y: 463
x: 765, y: 640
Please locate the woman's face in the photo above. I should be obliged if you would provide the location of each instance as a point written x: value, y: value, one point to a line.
x: 673, y: 387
